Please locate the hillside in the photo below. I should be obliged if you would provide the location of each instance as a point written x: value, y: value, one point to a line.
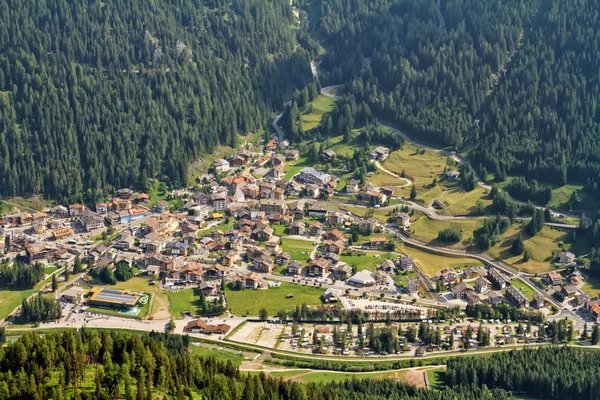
x: 101, y: 95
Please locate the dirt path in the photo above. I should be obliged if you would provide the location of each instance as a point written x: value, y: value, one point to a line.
x: 160, y: 305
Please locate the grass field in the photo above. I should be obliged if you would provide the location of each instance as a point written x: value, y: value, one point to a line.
x: 591, y: 286
x: 369, y: 261
x: 430, y: 263
x: 320, y: 105
x: 523, y: 288
x: 541, y: 249
x: 437, y: 378
x: 298, y: 249
x: 426, y: 230
x: 220, y: 355
x: 293, y: 167
x: 307, y: 376
x: 183, y: 300
x: 273, y: 299
x: 458, y: 202
x: 561, y: 196
x: 421, y: 167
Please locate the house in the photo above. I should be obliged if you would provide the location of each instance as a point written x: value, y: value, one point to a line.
x: 125, y: 243
x: 471, y: 297
x: 553, y: 278
x: 252, y: 281
x: 283, y: 258
x: 229, y: 258
x: 378, y: 241
x: 405, y: 263
x: 91, y: 220
x: 102, y: 208
x: 447, y: 276
x: 341, y: 272
x: 278, y: 159
x: 352, y: 186
x: 59, y: 211
x: 272, y: 145
x: 361, y: 279
x: 566, y: 258
x: 161, y: 207
x: 328, y: 155
x: 315, y: 229
x: 312, y: 190
x: 412, y: 285
x: 401, y: 219
x: 461, y: 289
x: 497, y: 279
x: 272, y: 206
x: 201, y: 326
x: 494, y: 298
x: 576, y: 278
x: 516, y: 297
x: 311, y: 175
x: 453, y: 175
x: 221, y: 166
x: 335, y: 218
x: 263, y: 234
x: 264, y: 265
x: 482, y: 285
x: 380, y: 153
x: 218, y: 200
x: 215, y: 271
x: 160, y: 260
x: 593, y: 307
x: 375, y: 198
x: 540, y: 301
x: 292, y: 154
x: 388, y: 266
x: 318, y: 267
x: 297, y: 228
x: 474, y: 272
x: 367, y: 226
x: 241, y: 158
x: 334, y: 246
x: 76, y: 209
x: 330, y: 296
x: 294, y: 268
x: 568, y: 291
x: 62, y: 233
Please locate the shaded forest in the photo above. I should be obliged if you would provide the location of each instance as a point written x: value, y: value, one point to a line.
x: 102, y: 95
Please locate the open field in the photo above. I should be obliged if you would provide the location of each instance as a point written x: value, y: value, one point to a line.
x: 273, y: 299
x: 293, y: 167
x: 414, y: 377
x: 420, y: 167
x: 320, y: 105
x: 298, y: 249
x: 369, y: 261
x: 591, y: 286
x: 431, y: 264
x: 523, y: 288
x: 542, y: 249
x: 236, y: 357
x: 426, y: 230
x: 459, y: 202
x: 437, y: 378
x: 183, y: 300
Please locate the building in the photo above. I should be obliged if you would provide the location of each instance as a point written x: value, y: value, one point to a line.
x: 62, y: 233
x: 330, y: 296
x: 221, y: 166
x: 91, y: 221
x: 515, y: 296
x: 315, y: 229
x: 378, y: 241
x: 380, y: 153
x: 251, y: 281
x: 202, y: 326
x: 361, y: 279
x: 453, y: 175
x: 405, y: 263
x: 388, y: 266
x: 272, y: 206
x: 497, y: 279
x: 482, y: 285
x: 112, y: 298
x: 218, y: 200
x: 74, y: 294
x: 161, y: 207
x: 297, y: 228
x: 352, y: 186
x: 593, y: 307
x: 318, y: 267
x: 311, y: 175
x: 553, y: 278
x: 342, y: 272
x: 412, y: 285
x: 460, y: 290
x: 566, y: 258
x: 494, y: 298
x: 76, y: 209
x: 294, y: 268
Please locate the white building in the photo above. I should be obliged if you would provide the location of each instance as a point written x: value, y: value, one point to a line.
x: 221, y: 166
x: 311, y: 175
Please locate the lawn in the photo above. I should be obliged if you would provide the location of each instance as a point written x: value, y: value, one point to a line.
x: 542, y: 248
x: 273, y: 299
x: 430, y: 263
x: 425, y: 229
x: 220, y: 355
x: 183, y: 300
x: 591, y: 286
x: 298, y: 249
x: 11, y: 299
x: 524, y: 288
x: 319, y: 106
x: 369, y: 261
x: 293, y: 167
x: 437, y: 378
x: 420, y: 167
